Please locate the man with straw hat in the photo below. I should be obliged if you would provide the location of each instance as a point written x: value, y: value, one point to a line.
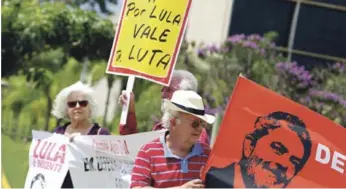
x: 176, y: 157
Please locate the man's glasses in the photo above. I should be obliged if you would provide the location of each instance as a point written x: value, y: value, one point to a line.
x: 73, y: 104
x: 196, y: 123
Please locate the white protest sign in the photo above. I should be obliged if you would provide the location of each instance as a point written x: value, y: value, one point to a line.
x: 48, y: 162
x: 102, y: 161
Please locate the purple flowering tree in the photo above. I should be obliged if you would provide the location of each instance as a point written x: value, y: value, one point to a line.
x: 318, y: 89
x: 217, y: 68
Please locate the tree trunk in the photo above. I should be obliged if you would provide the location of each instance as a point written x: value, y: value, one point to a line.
x: 14, y: 129
x: 110, y: 80
x: 32, y: 126
x: 248, y: 66
x: 49, y: 109
x: 84, y: 72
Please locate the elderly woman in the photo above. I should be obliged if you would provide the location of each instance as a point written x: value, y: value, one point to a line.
x: 76, y: 104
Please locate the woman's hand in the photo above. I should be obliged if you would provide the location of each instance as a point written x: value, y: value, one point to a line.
x: 123, y: 99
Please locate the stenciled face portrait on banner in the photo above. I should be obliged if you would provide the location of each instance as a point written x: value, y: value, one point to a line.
x: 269, y: 160
x: 38, y: 182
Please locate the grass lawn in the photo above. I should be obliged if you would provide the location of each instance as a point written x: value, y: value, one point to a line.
x: 15, y: 157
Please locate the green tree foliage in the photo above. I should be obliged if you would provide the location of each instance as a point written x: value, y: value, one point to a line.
x: 29, y: 28
x: 25, y: 105
x: 38, y: 41
x: 14, y: 101
x: 102, y: 4
x: 148, y: 108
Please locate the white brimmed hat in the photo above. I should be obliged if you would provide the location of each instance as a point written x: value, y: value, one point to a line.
x: 188, y: 102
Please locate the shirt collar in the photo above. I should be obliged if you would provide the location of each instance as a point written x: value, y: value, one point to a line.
x: 196, y: 150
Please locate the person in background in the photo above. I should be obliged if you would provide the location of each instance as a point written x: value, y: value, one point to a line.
x: 76, y: 104
x: 175, y: 158
x: 181, y: 80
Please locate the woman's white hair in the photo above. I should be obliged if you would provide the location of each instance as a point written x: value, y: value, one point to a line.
x: 167, y: 116
x: 60, y: 102
x: 188, y: 80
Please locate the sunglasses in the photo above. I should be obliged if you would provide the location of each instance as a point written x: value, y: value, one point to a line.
x: 196, y: 123
x: 73, y: 104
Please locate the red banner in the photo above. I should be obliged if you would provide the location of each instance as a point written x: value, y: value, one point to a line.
x: 267, y: 140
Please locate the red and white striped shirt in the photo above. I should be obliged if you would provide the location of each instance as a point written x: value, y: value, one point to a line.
x: 156, y: 166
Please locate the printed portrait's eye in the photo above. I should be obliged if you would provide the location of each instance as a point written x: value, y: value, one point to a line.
x: 278, y: 148
x: 295, y: 160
